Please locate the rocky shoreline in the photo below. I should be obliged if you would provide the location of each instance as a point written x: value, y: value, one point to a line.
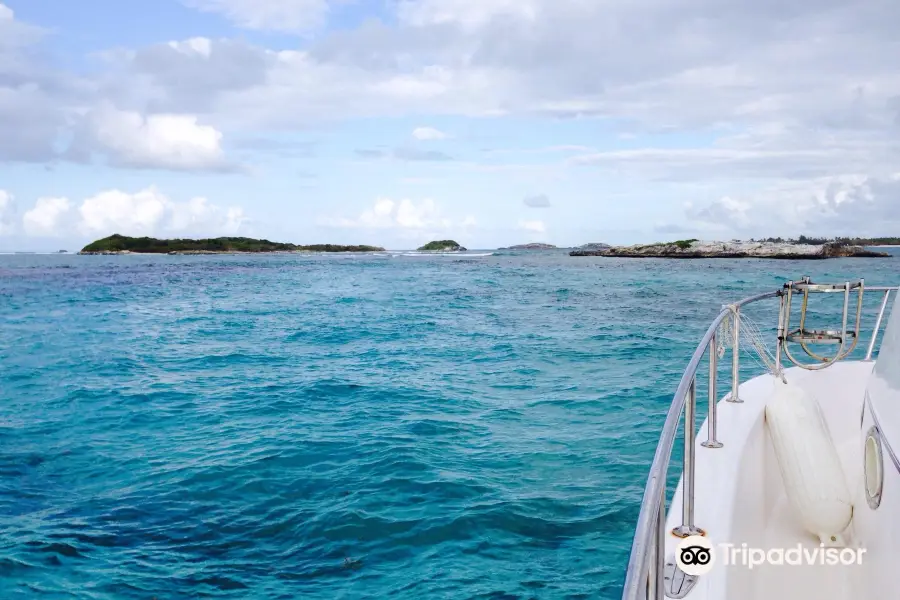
x: 686, y: 249
x: 531, y: 246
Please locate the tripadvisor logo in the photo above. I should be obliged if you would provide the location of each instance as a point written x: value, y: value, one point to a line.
x: 696, y: 555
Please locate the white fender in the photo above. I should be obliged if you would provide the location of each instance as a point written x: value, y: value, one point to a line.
x: 809, y: 463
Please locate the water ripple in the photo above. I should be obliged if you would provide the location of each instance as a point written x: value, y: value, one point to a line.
x: 341, y: 427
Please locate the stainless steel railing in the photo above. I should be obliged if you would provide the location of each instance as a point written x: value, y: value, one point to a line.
x: 884, y: 303
x: 646, y: 565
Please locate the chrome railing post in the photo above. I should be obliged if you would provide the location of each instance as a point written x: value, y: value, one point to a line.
x: 687, y: 526
x: 845, y: 314
x: 652, y: 588
x: 656, y: 569
x: 711, y: 418
x: 781, y: 318
x: 736, y: 357
x: 884, y: 303
x: 661, y: 546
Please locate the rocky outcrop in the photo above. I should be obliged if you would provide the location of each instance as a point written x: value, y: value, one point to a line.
x: 532, y: 246
x: 733, y: 249
x: 593, y: 247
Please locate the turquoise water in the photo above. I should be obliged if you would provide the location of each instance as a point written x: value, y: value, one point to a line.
x: 343, y: 426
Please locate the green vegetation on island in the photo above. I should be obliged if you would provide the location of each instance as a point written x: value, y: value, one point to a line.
x: 442, y: 246
x: 120, y: 244
x: 844, y: 241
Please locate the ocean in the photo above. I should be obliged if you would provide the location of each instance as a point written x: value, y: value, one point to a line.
x: 346, y: 426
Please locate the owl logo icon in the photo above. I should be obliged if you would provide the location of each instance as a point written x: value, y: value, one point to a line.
x: 695, y: 555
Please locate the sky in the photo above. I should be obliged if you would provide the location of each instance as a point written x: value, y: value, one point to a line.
x: 491, y: 122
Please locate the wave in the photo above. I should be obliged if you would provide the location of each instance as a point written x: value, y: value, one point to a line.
x: 343, y: 426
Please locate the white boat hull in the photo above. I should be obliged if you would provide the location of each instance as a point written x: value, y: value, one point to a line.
x: 741, y: 499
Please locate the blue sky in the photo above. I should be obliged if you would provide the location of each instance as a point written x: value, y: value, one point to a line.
x: 396, y: 122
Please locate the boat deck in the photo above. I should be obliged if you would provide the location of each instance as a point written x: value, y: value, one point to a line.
x: 821, y: 582
x: 740, y: 498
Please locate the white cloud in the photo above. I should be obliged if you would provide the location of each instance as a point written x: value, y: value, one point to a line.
x: 402, y: 214
x: 194, y: 46
x: 404, y: 153
x: 277, y: 15
x: 7, y: 213
x: 533, y: 226
x: 149, y: 212
x: 30, y: 122
x: 34, y: 100
x: 162, y: 141
x: 763, y: 156
x: 428, y: 133
x: 47, y: 217
x: 42, y: 109
x: 469, y: 14
x: 198, y: 213
x: 647, y: 64
x: 146, y: 212
x: 115, y: 211
x: 644, y: 62
x: 647, y: 61
x: 750, y: 95
x: 843, y: 205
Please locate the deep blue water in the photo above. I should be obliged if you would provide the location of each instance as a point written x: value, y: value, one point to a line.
x: 343, y: 426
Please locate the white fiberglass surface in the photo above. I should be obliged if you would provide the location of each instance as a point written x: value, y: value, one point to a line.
x: 740, y: 500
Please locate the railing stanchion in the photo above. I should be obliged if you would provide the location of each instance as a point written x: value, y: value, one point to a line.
x: 661, y: 546
x: 687, y: 526
x: 783, y: 304
x: 736, y: 357
x: 656, y: 568
x: 712, y: 416
x: 884, y: 303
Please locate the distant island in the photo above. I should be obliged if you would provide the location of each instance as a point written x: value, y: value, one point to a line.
x: 803, y: 247
x: 532, y: 246
x: 593, y: 246
x: 735, y: 249
x: 442, y: 246
x: 120, y: 244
